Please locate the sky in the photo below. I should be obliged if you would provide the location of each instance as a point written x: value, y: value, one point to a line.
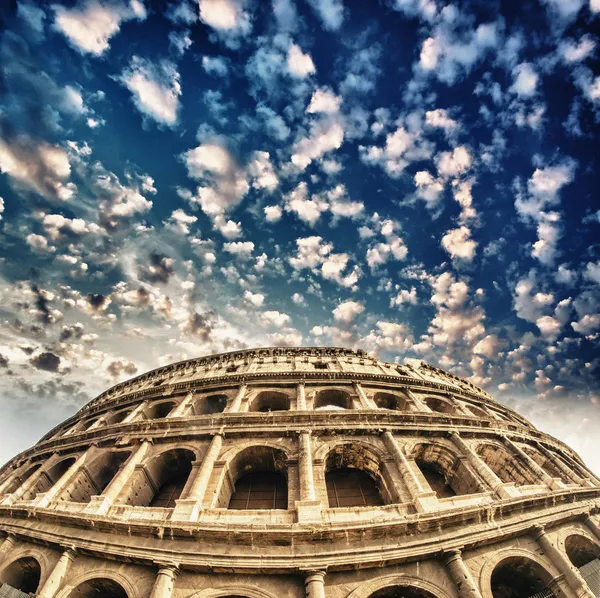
x: 415, y: 178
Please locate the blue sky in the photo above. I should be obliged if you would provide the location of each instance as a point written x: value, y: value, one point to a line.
x: 414, y: 178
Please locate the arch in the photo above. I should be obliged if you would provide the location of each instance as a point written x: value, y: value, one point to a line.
x: 476, y: 411
x: 99, y: 586
x: 366, y: 590
x: 518, y: 577
x: 117, y: 417
x: 353, y: 477
x: 100, y: 573
x: 89, y: 423
x: 159, y: 410
x: 270, y: 400
x: 161, y: 480
x: 19, y: 480
x: 249, y: 466
x: 210, y: 405
x: 49, y: 477
x: 546, y: 464
x: 581, y: 550
x: 233, y: 592
x: 504, y: 465
x: 404, y: 591
x: 387, y: 400
x: 440, y: 405
x: 444, y: 471
x: 96, y: 476
x: 332, y: 399
x: 22, y: 574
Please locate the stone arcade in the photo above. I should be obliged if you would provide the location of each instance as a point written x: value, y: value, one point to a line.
x: 284, y: 473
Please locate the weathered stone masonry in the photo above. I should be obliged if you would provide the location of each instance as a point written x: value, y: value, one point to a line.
x: 285, y: 473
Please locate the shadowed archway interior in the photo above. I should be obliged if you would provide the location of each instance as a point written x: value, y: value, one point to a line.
x: 23, y: 574
x: 518, y: 577
x: 99, y: 588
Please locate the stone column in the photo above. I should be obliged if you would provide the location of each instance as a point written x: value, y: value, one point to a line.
x: 165, y: 581
x: 239, y: 397
x: 592, y: 526
x: 307, y: 483
x: 561, y: 562
x: 183, y: 406
x: 57, y: 575
x: 301, y: 396
x: 416, y: 403
x: 424, y: 500
x: 8, y: 544
x: 544, y: 477
x: 187, y: 508
x: 314, y: 584
x: 62, y: 482
x: 365, y: 402
x: 16, y: 473
x: 99, y: 422
x: 460, y: 574
x: 100, y: 504
x: 136, y: 412
x: 490, y: 478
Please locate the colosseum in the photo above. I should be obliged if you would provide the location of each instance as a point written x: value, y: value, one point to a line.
x: 284, y: 473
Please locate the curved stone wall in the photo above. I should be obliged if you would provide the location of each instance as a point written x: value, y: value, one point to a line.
x: 292, y: 472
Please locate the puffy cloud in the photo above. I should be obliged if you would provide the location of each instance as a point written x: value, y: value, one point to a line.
x: 308, y: 210
x: 429, y: 189
x: 404, y: 296
x: 549, y: 327
x: 46, y: 361
x: 256, y: 299
x: 89, y: 25
x: 549, y: 232
x: 262, y: 173
x: 454, y: 163
x: 215, y: 65
x: 525, y: 80
x: 489, y: 346
x: 458, y: 243
x: 528, y: 305
x: 227, y: 18
x: 572, y: 52
x: 324, y: 100
x: 324, y: 137
x: 179, y: 222
x: 592, y: 272
x: 340, y: 205
x: 330, y: 12
x: 347, y: 311
x: 299, y: 64
x: 389, y: 336
x: 243, y: 249
x: 155, y: 89
x: 274, y: 318
x: 272, y: 213
x: 440, y: 119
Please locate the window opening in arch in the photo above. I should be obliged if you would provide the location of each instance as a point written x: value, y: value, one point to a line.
x: 434, y: 474
x: 504, y: 465
x: 260, y: 490
x: 519, y: 577
x: 402, y: 592
x: 581, y: 550
x: 159, y: 411
x: 48, y: 478
x: 270, y: 401
x: 210, y: 405
x: 95, y: 588
x: 547, y: 465
x: 332, y: 399
x: 173, y: 476
x: 23, y: 574
x: 439, y: 405
x: 477, y: 411
x: 385, y: 400
x: 349, y: 487
x: 20, y: 480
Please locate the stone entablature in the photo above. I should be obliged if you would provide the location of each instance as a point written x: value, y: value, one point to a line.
x: 363, y: 476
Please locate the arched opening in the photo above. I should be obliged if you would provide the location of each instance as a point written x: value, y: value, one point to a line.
x: 162, y: 480
x: 353, y: 478
x: 581, y: 550
x: 477, y: 411
x: 88, y: 424
x: 256, y: 479
x: 386, y: 400
x: 332, y: 399
x: 95, y: 588
x: 546, y: 464
x: 446, y: 474
x: 504, y: 465
x: 210, y: 405
x: 22, y: 574
x: 518, y: 577
x: 93, y: 479
x: 270, y: 401
x: 159, y: 410
x: 18, y: 481
x: 49, y: 477
x: 439, y: 405
x: 402, y: 592
x: 117, y: 418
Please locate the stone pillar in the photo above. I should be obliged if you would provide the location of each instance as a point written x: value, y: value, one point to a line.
x: 416, y: 403
x: 183, y: 406
x: 308, y: 507
x: 100, y: 504
x: 187, y: 508
x: 301, y: 396
x: 592, y: 526
x: 562, y: 563
x: 460, y: 574
x: 60, y: 484
x: 365, y: 402
x: 314, y: 584
x: 30, y: 482
x: 16, y: 473
x: 136, y: 412
x: 490, y: 478
x: 239, y: 397
x: 567, y: 471
x: 8, y: 544
x: 165, y: 581
x: 57, y: 575
x: 544, y: 477
x: 99, y: 422
x: 424, y: 500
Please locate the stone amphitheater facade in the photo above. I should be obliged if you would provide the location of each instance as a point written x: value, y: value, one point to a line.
x: 284, y: 473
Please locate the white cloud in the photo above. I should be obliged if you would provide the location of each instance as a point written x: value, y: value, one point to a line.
x: 215, y: 65
x: 429, y: 188
x: 272, y: 213
x: 299, y: 64
x: 347, y: 311
x: 275, y: 318
x: 549, y: 327
x: 592, y: 272
x: 440, y: 119
x: 324, y: 100
x: 458, y: 243
x: 256, y: 299
x: 242, y: 249
x: 90, y: 25
x: 528, y: 305
x: 488, y: 346
x: 225, y: 16
x: 1, y: 207
x: 404, y: 296
x: 308, y: 210
x: 262, y: 173
x: 179, y: 222
x: 454, y: 163
x: 324, y: 137
x: 572, y: 52
x: 525, y: 80
x: 155, y: 89
x: 331, y: 13
x: 340, y: 205
x: 549, y: 232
